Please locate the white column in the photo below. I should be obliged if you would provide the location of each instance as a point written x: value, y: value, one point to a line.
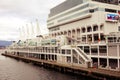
x: 45, y: 56
x: 99, y: 33
x: 40, y: 56
x: 118, y: 51
x: 90, y: 49
x: 86, y: 39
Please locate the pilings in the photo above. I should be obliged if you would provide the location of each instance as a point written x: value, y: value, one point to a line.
x: 97, y: 74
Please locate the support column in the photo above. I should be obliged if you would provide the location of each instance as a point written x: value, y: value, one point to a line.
x: 71, y: 56
x: 86, y: 38
x: 50, y: 57
x: 44, y: 56
x: 99, y: 39
x: 75, y: 34
x: 92, y: 38
x: 40, y: 56
x: 107, y: 58
x: 78, y: 59
x: 90, y: 49
x: 98, y: 56
x: 118, y: 64
x: 118, y: 57
x: 99, y: 33
x: 98, y: 62
x: 107, y: 63
x: 118, y: 51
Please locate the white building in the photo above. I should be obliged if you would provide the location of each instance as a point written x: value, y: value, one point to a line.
x: 84, y: 33
x: 91, y: 24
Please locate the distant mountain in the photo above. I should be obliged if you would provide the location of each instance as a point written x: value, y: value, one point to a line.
x: 5, y: 43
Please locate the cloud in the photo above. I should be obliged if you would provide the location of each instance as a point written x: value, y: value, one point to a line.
x: 17, y: 13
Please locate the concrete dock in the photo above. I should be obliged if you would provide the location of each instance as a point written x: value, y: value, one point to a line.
x: 99, y: 74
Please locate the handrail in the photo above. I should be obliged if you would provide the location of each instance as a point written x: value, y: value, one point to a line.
x: 82, y: 53
x: 81, y: 60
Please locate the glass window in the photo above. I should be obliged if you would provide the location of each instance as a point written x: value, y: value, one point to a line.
x: 118, y: 28
x: 94, y: 49
x: 110, y: 10
x: 86, y: 49
x: 91, y: 10
x: 103, y: 49
x: 63, y: 51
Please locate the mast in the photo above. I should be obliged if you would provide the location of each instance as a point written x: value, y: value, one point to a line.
x: 23, y: 32
x: 32, y: 30
x: 38, y: 28
x: 27, y: 29
x: 20, y: 33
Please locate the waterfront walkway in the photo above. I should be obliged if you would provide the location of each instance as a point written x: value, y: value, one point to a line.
x: 69, y: 67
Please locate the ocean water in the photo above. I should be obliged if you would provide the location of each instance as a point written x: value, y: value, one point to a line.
x: 11, y: 69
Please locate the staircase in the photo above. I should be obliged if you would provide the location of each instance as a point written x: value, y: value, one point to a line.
x: 82, y: 58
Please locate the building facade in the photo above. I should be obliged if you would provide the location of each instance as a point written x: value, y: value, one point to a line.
x: 92, y: 25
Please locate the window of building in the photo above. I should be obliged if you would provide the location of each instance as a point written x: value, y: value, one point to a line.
x: 96, y: 38
x: 87, y: 49
x: 54, y: 29
x: 81, y: 47
x: 103, y: 49
x: 94, y: 49
x: 83, y: 30
x: 83, y: 38
x: 118, y: 28
x: 110, y: 10
x: 102, y: 37
x: 95, y: 28
x: 50, y: 24
x: 63, y: 51
x: 91, y: 10
x: 115, y: 2
x: 89, y: 29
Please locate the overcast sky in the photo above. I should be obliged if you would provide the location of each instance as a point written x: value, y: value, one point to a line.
x: 17, y: 13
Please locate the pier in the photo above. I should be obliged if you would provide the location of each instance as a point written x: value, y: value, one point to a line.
x: 99, y: 74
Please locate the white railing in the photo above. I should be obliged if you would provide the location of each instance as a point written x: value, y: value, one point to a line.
x: 84, y: 54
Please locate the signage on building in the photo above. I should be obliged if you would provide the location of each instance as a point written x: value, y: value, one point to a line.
x: 112, y: 17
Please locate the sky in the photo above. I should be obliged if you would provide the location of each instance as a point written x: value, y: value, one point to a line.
x: 15, y: 14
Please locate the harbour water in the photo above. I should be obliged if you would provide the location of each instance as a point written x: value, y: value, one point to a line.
x: 11, y: 69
